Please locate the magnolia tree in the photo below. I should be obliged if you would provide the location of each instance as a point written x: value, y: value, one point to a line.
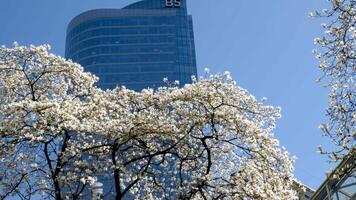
x: 337, y: 62
x: 60, y: 136
x: 41, y: 112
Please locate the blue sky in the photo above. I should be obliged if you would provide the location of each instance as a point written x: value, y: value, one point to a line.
x: 265, y: 44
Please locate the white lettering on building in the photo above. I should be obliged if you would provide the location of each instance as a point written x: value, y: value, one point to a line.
x: 173, y: 3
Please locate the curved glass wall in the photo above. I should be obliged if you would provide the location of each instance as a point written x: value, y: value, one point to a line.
x: 137, y: 46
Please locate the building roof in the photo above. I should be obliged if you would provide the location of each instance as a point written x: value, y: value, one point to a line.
x: 344, y: 168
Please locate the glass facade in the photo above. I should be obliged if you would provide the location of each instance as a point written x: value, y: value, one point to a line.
x: 137, y: 46
x: 341, y: 183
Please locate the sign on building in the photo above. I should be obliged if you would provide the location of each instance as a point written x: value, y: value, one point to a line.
x: 173, y: 3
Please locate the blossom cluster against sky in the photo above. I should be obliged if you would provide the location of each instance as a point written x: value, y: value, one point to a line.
x: 265, y: 44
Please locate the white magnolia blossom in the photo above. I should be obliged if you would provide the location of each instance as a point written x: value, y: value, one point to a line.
x: 336, y: 56
x: 60, y: 135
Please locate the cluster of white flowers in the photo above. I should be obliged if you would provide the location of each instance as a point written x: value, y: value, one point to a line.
x: 336, y: 56
x: 60, y: 135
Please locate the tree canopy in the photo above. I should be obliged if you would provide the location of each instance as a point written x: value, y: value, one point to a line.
x: 60, y: 135
x: 336, y: 56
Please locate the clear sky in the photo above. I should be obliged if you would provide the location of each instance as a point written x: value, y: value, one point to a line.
x: 265, y: 44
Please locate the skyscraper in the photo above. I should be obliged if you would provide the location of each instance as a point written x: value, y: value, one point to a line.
x: 136, y: 46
